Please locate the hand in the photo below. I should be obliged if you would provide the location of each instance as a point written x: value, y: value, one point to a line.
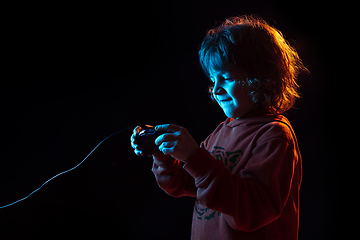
x: 134, y: 141
x: 178, y: 143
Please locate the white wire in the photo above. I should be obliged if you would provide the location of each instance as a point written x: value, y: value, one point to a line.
x: 68, y: 169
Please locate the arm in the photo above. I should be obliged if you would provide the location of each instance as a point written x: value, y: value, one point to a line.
x: 256, y: 196
x: 171, y: 176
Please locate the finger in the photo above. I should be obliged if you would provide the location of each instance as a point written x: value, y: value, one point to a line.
x: 134, y: 145
x: 138, y: 153
x: 168, y: 127
x: 167, y: 150
x: 133, y: 139
x: 164, y: 138
x: 169, y: 144
x: 135, y: 133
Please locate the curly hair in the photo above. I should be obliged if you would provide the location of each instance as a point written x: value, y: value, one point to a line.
x: 251, y: 45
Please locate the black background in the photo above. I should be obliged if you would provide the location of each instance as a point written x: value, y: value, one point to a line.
x: 72, y: 74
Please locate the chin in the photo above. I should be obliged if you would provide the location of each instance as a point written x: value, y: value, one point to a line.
x: 230, y: 114
x: 234, y: 114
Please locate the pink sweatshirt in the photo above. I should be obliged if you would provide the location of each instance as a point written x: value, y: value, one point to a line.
x: 246, y: 179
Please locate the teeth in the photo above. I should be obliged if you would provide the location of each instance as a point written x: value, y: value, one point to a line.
x: 225, y: 101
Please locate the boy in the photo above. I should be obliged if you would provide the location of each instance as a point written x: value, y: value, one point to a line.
x: 246, y: 175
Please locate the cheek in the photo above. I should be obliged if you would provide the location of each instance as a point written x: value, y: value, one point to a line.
x: 237, y: 93
x: 242, y: 98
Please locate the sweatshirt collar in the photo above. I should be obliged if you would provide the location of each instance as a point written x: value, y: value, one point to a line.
x: 261, y: 116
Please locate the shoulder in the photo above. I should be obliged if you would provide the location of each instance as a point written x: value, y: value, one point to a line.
x: 279, y: 128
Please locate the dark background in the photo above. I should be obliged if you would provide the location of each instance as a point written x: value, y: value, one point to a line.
x: 74, y: 74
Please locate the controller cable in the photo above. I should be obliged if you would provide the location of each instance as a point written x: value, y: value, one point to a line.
x: 120, y: 131
x: 66, y: 171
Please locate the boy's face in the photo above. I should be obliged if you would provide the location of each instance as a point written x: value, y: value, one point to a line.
x: 230, y: 95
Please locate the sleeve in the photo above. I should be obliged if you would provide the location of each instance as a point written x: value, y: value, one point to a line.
x: 171, y: 177
x: 256, y: 196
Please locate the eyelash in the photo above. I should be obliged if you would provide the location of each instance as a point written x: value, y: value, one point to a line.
x: 227, y: 79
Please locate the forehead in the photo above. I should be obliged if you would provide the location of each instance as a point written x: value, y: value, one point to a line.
x: 217, y: 74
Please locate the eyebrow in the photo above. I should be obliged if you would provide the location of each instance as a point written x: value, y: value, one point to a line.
x: 229, y: 75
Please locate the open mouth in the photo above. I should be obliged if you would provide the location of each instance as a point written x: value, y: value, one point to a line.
x: 225, y: 101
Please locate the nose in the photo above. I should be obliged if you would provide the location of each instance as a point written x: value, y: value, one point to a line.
x: 218, y: 89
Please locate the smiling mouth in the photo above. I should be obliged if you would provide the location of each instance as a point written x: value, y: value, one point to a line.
x: 225, y: 102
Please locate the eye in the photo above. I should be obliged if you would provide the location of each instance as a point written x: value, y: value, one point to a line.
x: 230, y: 79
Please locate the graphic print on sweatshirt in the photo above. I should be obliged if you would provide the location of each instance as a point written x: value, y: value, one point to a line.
x: 204, y: 213
x: 230, y: 159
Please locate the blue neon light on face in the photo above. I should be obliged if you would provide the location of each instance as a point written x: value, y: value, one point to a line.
x: 230, y: 94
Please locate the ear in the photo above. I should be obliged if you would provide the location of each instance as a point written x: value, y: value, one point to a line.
x: 211, y: 95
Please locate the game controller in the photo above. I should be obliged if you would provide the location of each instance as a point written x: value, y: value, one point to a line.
x: 146, y: 140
